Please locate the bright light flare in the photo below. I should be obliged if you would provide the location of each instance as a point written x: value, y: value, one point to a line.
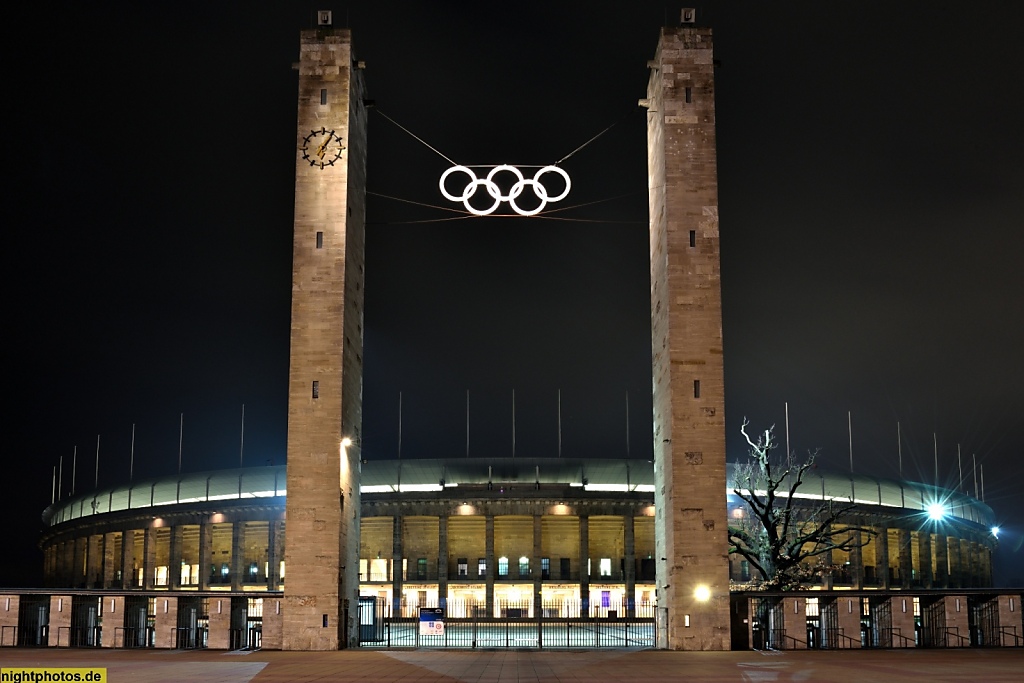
x: 936, y: 511
x: 702, y: 593
x: 995, y: 531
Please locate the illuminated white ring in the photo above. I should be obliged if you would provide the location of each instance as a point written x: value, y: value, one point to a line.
x: 495, y: 191
x: 554, y: 169
x: 444, y: 177
x: 540, y: 191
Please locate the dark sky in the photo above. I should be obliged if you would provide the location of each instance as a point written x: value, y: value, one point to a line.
x: 871, y: 166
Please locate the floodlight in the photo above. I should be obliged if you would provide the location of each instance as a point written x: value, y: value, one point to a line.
x: 702, y: 593
x: 995, y: 531
x: 936, y: 511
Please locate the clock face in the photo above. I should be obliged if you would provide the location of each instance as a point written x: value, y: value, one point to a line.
x: 322, y: 148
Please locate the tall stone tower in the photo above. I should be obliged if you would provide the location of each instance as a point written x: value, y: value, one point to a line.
x: 686, y: 331
x: 325, y: 374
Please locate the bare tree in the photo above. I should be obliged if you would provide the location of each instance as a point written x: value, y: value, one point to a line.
x: 786, y: 538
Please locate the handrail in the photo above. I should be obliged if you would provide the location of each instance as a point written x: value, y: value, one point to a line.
x: 1011, y: 631
x: 839, y: 632
x: 796, y: 641
x: 894, y: 632
x: 955, y: 632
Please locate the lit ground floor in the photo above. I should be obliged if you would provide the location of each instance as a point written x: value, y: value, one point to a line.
x: 808, y: 620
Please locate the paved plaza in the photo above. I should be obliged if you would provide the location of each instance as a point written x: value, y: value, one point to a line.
x: 500, y: 666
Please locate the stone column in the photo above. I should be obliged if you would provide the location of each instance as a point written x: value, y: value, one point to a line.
x: 881, y: 542
x: 986, y: 564
x: 174, y: 561
x: 149, y: 557
x: 109, y: 560
x: 906, y: 558
x: 94, y: 562
x: 956, y: 579
x: 205, y: 554
x: 794, y: 620
x: 970, y: 570
x: 536, y: 570
x: 219, y: 635
x: 849, y: 621
x: 857, y: 561
x: 128, y: 559
x: 60, y: 621
x: 166, y: 621
x: 237, y: 555
x: 924, y: 554
x: 584, y: 564
x: 80, y: 549
x: 629, y: 544
x: 941, y: 562
x: 442, y: 561
x: 489, y: 555
x: 396, y: 566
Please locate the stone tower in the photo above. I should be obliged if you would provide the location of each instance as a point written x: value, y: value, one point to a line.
x: 686, y: 331
x: 325, y: 374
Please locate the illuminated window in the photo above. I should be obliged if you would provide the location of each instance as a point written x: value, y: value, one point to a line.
x: 606, y: 598
x: 463, y: 567
x: 481, y: 567
x: 161, y: 576
x: 524, y: 566
x: 502, y: 566
x: 606, y: 566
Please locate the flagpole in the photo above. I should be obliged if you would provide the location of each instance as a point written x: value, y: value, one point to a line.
x: 899, y: 447
x: 96, y: 484
x: 559, y: 423
x: 181, y: 434
x: 241, y: 444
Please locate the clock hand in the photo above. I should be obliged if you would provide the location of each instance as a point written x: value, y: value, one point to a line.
x: 322, y: 148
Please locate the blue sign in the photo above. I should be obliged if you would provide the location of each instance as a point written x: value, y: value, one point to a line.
x: 431, y: 621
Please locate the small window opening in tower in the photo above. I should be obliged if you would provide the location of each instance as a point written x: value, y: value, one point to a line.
x: 323, y: 95
x: 316, y: 389
x: 320, y: 239
x: 688, y: 95
x: 693, y: 238
x: 696, y: 388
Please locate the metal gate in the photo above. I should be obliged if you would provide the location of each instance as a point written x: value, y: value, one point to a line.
x: 518, y: 628
x: 881, y: 613
x: 983, y: 620
x: 933, y: 624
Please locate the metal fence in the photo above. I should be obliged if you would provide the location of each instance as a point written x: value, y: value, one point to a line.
x: 379, y: 629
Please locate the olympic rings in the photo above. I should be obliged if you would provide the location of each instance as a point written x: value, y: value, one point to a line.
x: 495, y: 192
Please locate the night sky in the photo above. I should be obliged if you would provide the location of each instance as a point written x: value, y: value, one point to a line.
x: 871, y: 166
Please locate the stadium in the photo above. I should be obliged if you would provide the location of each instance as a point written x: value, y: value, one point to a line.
x: 507, y: 540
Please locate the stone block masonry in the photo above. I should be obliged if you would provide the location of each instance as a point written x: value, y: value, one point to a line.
x: 325, y: 374
x: 686, y: 333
